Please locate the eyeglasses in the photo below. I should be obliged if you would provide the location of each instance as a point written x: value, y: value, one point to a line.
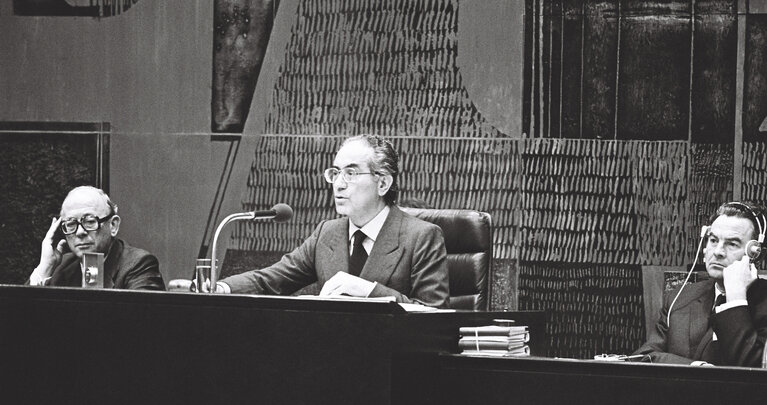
x: 88, y: 222
x: 348, y: 174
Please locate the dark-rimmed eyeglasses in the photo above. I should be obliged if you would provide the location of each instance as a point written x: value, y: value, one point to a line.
x: 349, y: 174
x: 88, y: 222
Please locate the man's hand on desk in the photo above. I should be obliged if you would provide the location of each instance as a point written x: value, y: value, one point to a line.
x: 344, y: 283
x: 221, y: 288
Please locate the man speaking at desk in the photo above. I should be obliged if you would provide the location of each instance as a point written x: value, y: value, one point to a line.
x: 375, y: 251
x: 723, y: 320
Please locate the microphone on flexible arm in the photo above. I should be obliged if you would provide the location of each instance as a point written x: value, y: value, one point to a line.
x: 278, y: 213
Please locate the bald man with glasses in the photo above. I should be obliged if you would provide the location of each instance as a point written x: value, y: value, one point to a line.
x: 375, y: 250
x: 88, y: 223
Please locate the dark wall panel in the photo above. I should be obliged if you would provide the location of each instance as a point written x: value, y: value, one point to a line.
x: 553, y: 28
x: 599, y: 66
x: 714, y: 75
x: 572, y: 53
x: 654, y: 84
x: 755, y: 78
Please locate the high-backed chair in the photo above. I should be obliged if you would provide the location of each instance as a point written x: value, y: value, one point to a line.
x: 469, y: 245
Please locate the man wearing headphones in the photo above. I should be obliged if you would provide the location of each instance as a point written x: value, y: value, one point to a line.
x: 722, y: 320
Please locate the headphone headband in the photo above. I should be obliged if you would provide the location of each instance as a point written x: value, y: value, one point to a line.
x: 753, y: 247
x: 761, y: 225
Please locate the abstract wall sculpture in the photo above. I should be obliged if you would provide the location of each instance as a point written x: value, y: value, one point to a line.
x: 240, y: 37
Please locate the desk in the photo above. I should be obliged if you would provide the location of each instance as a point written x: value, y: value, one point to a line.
x: 531, y: 380
x: 68, y: 345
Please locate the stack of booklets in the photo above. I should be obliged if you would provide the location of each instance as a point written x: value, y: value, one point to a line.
x: 494, y: 341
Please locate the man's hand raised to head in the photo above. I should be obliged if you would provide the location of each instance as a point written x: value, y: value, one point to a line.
x: 51, y: 252
x: 737, y: 277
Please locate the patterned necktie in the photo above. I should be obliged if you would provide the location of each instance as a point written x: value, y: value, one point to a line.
x: 359, y: 255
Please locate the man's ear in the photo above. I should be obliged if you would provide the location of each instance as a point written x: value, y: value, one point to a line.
x: 384, y: 184
x: 114, y: 225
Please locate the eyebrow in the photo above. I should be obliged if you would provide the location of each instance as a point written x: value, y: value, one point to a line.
x: 352, y: 165
x: 730, y: 239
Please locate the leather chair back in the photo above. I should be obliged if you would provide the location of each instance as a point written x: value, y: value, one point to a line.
x: 469, y: 245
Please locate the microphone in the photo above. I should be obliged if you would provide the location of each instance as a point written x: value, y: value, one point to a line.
x: 278, y: 213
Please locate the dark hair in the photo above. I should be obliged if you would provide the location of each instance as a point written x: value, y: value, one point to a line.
x: 385, y: 160
x: 745, y: 210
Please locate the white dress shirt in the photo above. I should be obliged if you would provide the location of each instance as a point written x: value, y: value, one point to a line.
x: 371, y: 230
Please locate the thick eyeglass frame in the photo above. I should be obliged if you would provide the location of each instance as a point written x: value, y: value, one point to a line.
x: 80, y: 222
x: 349, y: 174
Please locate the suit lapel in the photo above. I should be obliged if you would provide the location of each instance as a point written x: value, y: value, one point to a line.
x: 698, y: 305
x: 334, y: 247
x: 700, y: 328
x: 69, y: 273
x: 386, y: 252
x: 110, y: 263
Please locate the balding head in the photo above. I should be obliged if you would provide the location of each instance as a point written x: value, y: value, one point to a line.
x: 87, y: 201
x: 92, y: 196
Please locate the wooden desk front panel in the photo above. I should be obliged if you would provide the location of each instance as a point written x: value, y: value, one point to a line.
x: 107, y: 346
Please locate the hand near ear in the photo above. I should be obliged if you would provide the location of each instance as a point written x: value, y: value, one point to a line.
x: 52, y: 249
x: 737, y: 278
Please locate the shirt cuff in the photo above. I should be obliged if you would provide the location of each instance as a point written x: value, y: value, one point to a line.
x: 223, y: 287
x: 730, y: 304
x: 34, y: 279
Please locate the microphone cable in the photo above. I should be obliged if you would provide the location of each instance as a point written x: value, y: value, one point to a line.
x: 703, y: 232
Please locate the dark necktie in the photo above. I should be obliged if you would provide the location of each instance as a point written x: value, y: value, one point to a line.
x: 711, y: 351
x: 720, y: 299
x: 359, y: 255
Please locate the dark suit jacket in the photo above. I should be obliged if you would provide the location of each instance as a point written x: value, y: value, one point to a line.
x: 408, y: 260
x: 741, y: 331
x: 125, y: 267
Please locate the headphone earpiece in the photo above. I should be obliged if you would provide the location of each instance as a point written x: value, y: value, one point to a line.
x: 753, y: 249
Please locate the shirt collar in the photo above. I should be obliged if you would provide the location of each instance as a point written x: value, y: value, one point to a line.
x: 373, y: 227
x: 717, y: 291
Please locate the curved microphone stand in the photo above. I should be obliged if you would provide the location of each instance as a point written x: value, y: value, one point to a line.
x: 279, y: 213
x: 231, y: 218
